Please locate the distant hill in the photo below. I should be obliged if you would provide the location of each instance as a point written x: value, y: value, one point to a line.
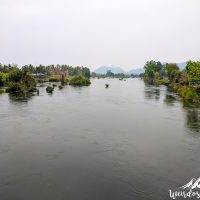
x: 182, y: 65
x: 104, y: 69
x: 136, y: 71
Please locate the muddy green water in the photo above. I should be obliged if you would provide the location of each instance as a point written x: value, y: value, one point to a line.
x: 129, y: 141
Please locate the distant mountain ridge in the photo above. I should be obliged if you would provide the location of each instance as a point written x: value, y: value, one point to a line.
x: 137, y: 71
x: 113, y: 69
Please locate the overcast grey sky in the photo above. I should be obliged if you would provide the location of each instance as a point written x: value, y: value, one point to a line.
x: 93, y: 33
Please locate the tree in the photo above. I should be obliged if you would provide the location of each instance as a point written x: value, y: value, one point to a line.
x: 172, y: 70
x: 184, y: 78
x: 86, y: 72
x: 193, y: 69
x: 151, y: 67
x: 15, y: 75
x: 28, y: 68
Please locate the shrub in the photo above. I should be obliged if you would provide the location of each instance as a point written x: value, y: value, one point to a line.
x: 49, y: 89
x: 79, y: 80
x: 3, y: 78
x: 188, y: 93
x: 60, y: 87
x: 163, y: 81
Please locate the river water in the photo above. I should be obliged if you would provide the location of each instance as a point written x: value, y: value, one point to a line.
x: 128, y: 141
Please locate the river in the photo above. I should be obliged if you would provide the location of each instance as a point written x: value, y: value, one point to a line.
x: 128, y: 141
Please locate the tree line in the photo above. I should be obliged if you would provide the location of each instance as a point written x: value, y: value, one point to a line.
x: 185, y: 82
x: 20, y: 79
x: 49, y: 70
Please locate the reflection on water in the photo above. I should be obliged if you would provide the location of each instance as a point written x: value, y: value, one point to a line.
x: 20, y: 97
x: 193, y: 119
x: 191, y: 110
x: 122, y: 143
x: 152, y: 92
x: 170, y: 99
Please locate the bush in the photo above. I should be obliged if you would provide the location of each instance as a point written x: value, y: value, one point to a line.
x: 163, y: 81
x: 49, y: 89
x: 54, y: 79
x: 60, y: 87
x: 79, y: 80
x: 15, y: 87
x: 188, y: 93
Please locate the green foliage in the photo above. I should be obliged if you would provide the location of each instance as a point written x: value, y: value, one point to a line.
x: 3, y: 78
x: 188, y: 93
x: 162, y: 81
x: 185, y: 92
x: 28, y: 68
x: 86, y: 72
x: 60, y: 87
x: 49, y: 89
x: 172, y: 70
x: 156, y: 75
x: 29, y: 81
x: 20, y: 80
x: 184, y: 78
x: 79, y: 80
x: 66, y: 81
x: 193, y: 69
x: 15, y: 75
x: 179, y: 81
x: 151, y: 67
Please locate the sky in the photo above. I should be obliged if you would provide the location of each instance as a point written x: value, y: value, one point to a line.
x: 94, y: 33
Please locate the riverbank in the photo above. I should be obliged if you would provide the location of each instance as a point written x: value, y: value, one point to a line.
x: 185, y: 83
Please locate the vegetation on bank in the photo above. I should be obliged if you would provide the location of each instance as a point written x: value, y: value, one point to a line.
x: 186, y: 82
x: 17, y: 80
x: 24, y: 79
